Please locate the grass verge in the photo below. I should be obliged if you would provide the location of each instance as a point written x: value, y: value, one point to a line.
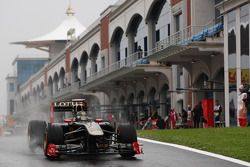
x: 232, y: 142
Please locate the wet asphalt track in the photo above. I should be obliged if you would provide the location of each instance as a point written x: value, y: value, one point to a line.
x: 14, y: 153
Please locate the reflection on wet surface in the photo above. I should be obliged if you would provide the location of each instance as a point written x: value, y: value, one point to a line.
x: 14, y: 152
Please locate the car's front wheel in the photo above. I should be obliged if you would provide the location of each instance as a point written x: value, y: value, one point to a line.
x: 53, y: 136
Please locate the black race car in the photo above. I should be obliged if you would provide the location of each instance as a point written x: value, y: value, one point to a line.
x: 81, y: 135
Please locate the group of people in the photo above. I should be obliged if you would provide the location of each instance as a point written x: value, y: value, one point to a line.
x: 154, y: 122
x: 190, y: 118
x: 193, y: 118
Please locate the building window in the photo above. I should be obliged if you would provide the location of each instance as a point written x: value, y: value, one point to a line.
x: 177, y: 23
x: 95, y: 68
x: 168, y: 29
x: 135, y: 46
x: 118, y: 56
x: 157, y: 35
x: 179, y: 74
x: 126, y: 52
x: 103, y: 62
x: 25, y: 68
x: 11, y: 87
x: 145, y: 45
x: 12, y: 107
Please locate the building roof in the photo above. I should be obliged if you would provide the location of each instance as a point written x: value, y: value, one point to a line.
x: 28, y: 58
x: 68, y: 28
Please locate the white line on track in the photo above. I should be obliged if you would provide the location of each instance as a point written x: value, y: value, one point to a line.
x: 199, y: 151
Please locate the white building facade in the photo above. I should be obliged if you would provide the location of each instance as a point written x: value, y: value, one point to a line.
x: 178, y: 64
x: 236, y: 53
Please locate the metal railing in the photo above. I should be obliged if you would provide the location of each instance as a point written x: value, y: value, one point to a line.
x: 187, y: 35
x: 67, y: 90
x: 127, y: 62
x: 183, y: 37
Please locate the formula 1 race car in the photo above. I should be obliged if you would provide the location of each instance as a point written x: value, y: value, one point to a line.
x: 81, y: 135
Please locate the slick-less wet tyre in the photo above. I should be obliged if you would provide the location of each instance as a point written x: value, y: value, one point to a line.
x: 36, y: 129
x: 126, y: 134
x: 53, y: 135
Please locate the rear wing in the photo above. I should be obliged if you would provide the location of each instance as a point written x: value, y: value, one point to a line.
x: 67, y: 106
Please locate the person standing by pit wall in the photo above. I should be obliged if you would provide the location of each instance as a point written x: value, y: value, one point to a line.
x: 196, y: 117
x: 190, y: 123
x: 173, y: 117
x: 217, y: 113
x: 242, y: 109
x: 247, y: 91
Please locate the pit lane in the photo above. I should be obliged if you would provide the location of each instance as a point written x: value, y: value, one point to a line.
x: 15, y: 153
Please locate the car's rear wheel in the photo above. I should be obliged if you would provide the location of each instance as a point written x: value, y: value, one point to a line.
x: 53, y: 136
x: 36, y: 129
x: 126, y: 134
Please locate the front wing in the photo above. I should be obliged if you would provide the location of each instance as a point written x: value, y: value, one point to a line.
x: 55, y: 150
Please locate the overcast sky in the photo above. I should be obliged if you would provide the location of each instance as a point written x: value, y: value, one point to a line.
x: 26, y: 19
